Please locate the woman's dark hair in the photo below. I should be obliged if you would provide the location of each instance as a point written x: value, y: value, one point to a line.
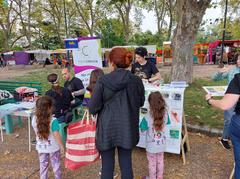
x: 53, y: 79
x: 141, y: 51
x: 157, y: 109
x: 44, y: 106
x: 120, y: 57
x: 95, y: 74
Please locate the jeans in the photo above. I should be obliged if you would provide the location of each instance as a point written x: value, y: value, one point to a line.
x: 44, y: 159
x: 125, y: 162
x: 77, y: 102
x: 235, y: 137
x: 228, y: 114
x: 155, y: 165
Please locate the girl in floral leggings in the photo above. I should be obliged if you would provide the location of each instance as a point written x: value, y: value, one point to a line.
x: 49, y: 143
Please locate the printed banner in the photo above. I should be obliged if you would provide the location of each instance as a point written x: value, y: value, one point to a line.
x: 169, y: 139
x: 87, y: 57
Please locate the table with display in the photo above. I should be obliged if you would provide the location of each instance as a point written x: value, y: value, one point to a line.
x: 175, y: 134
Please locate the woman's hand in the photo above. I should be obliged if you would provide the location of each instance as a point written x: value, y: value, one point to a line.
x: 224, y: 69
x: 208, y: 96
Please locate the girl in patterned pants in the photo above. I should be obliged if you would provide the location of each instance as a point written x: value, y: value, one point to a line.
x: 49, y: 143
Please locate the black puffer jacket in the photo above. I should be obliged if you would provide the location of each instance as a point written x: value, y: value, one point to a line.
x: 117, y: 98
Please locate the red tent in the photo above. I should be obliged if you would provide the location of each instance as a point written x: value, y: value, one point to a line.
x: 230, y: 43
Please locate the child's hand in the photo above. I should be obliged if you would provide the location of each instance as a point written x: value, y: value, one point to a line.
x: 62, y: 150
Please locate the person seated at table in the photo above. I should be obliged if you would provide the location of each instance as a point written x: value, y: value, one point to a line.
x: 143, y: 68
x: 75, y: 86
x: 61, y: 96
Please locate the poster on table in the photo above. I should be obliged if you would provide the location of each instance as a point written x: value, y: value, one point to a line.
x: 169, y: 139
x: 87, y: 56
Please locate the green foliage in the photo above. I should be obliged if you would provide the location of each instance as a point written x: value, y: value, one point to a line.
x: 48, y: 42
x: 111, y: 32
x: 17, y: 48
x: 1, y: 40
x: 147, y: 38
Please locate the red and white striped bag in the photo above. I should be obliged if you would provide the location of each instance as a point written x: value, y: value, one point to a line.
x: 80, y: 145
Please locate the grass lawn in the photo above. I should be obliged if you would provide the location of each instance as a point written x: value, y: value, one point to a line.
x: 196, y: 108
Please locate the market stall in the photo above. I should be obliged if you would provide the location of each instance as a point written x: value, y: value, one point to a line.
x: 39, y: 55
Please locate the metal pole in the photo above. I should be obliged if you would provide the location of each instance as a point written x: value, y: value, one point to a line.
x: 223, y: 35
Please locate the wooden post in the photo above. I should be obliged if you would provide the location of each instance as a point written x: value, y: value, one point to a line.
x: 185, y: 139
x: 232, y: 173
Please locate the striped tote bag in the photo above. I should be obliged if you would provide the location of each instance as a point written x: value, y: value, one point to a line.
x: 80, y: 145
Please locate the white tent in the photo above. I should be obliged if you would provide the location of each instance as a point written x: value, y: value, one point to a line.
x: 40, y: 54
x: 8, y: 53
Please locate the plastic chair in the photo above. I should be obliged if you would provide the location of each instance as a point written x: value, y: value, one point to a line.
x: 77, y: 115
x: 10, y: 123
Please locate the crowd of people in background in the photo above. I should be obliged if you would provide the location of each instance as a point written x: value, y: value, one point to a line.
x: 228, y: 57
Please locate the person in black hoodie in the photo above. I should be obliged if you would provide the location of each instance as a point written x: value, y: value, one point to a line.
x: 117, y: 98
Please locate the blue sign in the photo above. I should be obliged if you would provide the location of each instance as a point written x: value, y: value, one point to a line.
x: 71, y: 43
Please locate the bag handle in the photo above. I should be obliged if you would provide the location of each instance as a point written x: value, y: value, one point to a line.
x: 84, y: 115
x: 87, y: 116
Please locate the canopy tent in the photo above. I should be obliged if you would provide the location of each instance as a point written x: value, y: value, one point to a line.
x: 40, y: 54
x: 8, y: 53
x: 229, y: 43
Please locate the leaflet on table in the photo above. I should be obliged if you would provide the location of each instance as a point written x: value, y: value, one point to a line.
x: 173, y: 119
x: 215, y: 90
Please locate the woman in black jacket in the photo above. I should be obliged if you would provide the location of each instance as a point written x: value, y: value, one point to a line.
x: 117, y: 98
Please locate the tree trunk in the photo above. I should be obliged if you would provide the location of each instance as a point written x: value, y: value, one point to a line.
x: 170, y: 6
x: 189, y: 15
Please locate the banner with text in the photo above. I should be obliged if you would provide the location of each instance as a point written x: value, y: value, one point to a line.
x: 87, y: 57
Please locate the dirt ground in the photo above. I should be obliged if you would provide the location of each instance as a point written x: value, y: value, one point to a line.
x: 207, y: 159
